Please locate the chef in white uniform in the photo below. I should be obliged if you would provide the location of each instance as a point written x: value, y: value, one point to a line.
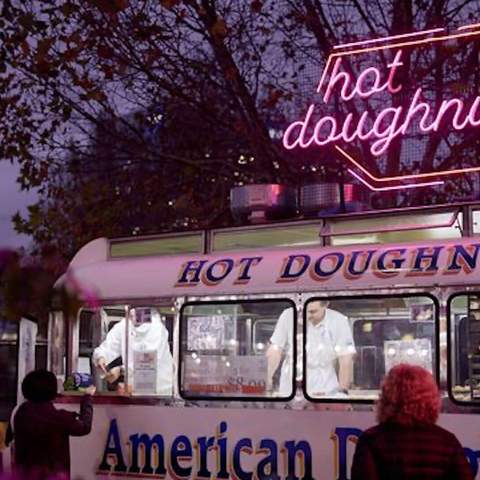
x: 150, y: 363
x: 329, y: 339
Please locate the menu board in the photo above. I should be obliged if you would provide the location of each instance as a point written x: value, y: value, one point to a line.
x: 145, y: 371
x: 209, y: 332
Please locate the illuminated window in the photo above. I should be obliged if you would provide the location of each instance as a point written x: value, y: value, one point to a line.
x: 464, y: 337
x: 238, y: 350
x: 143, y: 365
x: 352, y: 342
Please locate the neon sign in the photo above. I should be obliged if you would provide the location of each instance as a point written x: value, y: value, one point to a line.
x: 380, y: 127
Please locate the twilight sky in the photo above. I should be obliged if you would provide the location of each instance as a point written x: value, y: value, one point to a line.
x: 11, y: 200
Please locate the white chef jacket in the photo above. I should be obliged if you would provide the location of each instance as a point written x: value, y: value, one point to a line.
x: 147, y: 337
x: 326, y: 341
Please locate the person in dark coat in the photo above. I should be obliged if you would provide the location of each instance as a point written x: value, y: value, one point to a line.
x: 41, y: 432
x: 407, y: 444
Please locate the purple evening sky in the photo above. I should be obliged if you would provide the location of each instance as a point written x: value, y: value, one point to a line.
x: 11, y: 200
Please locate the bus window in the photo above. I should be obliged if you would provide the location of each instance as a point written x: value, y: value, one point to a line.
x: 351, y: 342
x: 89, y: 337
x: 227, y: 350
x: 464, y: 333
x: 143, y: 365
x: 93, y: 327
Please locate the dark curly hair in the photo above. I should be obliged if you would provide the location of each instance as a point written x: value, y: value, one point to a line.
x: 40, y: 386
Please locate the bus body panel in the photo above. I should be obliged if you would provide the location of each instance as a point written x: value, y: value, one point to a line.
x: 195, y: 442
x: 256, y: 439
x: 283, y: 270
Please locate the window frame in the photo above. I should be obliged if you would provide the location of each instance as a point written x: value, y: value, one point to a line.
x: 229, y: 398
x: 450, y: 383
x: 103, y: 397
x: 113, y: 398
x: 348, y: 400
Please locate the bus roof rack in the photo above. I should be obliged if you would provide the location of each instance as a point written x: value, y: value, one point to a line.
x: 373, y: 226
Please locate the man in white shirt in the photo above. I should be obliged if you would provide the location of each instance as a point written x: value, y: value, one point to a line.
x: 329, y: 339
x: 150, y: 363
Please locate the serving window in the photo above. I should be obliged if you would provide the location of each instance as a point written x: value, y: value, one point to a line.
x: 226, y: 350
x: 464, y: 347
x: 125, y: 350
x: 352, y: 342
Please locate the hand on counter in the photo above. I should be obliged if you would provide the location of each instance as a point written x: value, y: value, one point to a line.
x: 91, y: 390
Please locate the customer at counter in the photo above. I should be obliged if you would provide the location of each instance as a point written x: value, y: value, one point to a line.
x: 407, y: 443
x: 41, y: 433
x: 150, y: 363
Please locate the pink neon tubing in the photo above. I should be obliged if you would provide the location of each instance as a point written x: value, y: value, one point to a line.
x: 397, y: 178
x: 394, y: 45
x: 434, y: 126
x: 382, y: 138
x: 469, y: 27
x: 384, y: 39
x: 394, y: 187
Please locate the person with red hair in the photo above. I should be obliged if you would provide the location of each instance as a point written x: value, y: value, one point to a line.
x: 407, y: 444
